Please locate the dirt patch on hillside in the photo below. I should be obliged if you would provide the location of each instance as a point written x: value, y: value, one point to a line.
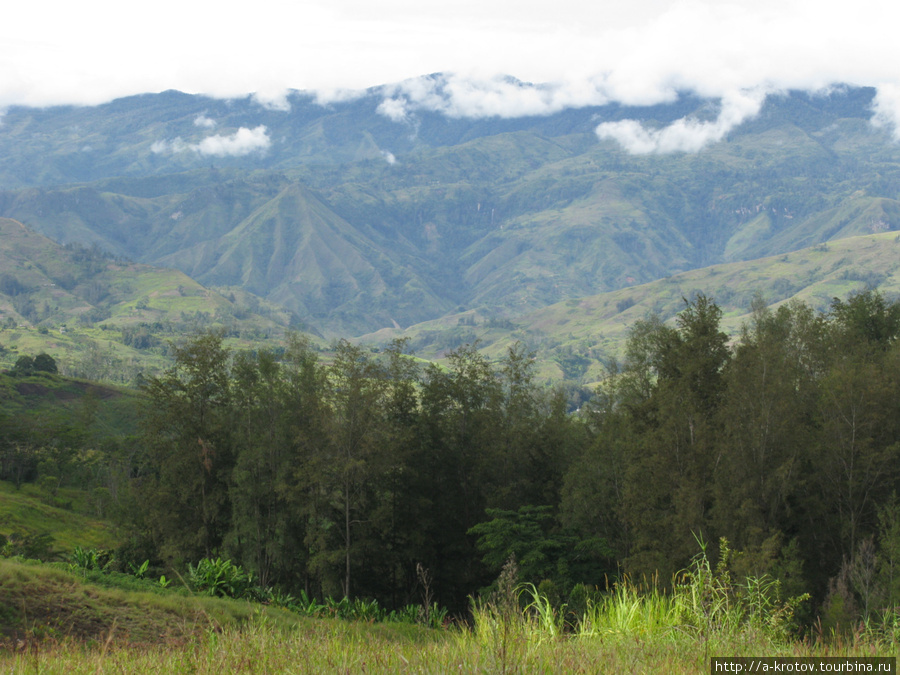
x: 32, y: 389
x: 97, y: 390
x: 72, y: 391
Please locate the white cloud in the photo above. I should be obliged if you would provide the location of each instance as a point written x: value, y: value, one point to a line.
x: 637, y: 52
x: 686, y: 134
x: 166, y: 147
x: 473, y: 97
x: 244, y: 141
x: 204, y: 122
x: 394, y: 109
x: 886, y: 109
x: 276, y: 99
x: 327, y: 95
x: 389, y: 157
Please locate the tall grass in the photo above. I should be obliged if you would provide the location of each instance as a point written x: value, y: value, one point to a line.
x: 704, y: 610
x: 334, y: 646
x: 705, y: 605
x: 517, y: 629
x: 630, y: 611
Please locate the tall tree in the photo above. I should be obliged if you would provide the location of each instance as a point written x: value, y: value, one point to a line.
x: 261, y: 517
x: 460, y: 413
x: 357, y: 392
x: 766, y: 424
x: 188, y: 429
x: 668, y: 481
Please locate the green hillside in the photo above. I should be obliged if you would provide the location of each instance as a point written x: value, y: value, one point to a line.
x: 39, y: 528
x: 355, y: 223
x: 43, y: 604
x: 573, y: 338
x: 103, y: 317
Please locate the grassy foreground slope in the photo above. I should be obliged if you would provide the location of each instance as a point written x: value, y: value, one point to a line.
x: 56, y: 620
x: 40, y: 602
x: 53, y: 622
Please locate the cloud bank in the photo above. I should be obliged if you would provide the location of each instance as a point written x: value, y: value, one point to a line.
x: 886, y: 108
x: 461, y: 96
x: 635, y: 52
x: 242, y: 142
x: 684, y: 135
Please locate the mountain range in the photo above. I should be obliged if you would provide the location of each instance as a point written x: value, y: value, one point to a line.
x: 356, y: 218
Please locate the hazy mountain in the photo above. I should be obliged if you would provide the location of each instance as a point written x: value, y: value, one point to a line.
x: 357, y: 220
x: 575, y: 338
x: 105, y: 317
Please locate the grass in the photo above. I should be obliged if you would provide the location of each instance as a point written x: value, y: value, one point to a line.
x: 261, y: 646
x: 46, y: 605
x: 21, y: 510
x: 52, y: 621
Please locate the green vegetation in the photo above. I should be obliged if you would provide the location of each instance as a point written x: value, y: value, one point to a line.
x: 52, y: 605
x: 573, y: 340
x: 33, y: 527
x: 98, y: 317
x: 371, y: 477
x: 258, y: 487
x: 516, y: 629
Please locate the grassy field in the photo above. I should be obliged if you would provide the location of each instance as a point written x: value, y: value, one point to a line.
x: 329, y: 647
x: 260, y: 643
x: 23, y: 510
x: 55, y: 621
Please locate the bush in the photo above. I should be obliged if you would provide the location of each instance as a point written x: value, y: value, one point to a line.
x: 24, y: 364
x: 45, y: 363
x: 222, y: 578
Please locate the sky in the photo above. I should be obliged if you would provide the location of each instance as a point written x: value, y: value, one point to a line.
x: 573, y: 52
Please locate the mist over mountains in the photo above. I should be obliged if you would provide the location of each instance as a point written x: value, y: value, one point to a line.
x: 394, y: 207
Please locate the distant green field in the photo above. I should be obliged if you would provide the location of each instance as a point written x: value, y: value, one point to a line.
x: 573, y: 338
x: 23, y: 511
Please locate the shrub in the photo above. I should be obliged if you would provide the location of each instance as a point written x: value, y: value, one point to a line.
x: 44, y: 363
x: 222, y: 578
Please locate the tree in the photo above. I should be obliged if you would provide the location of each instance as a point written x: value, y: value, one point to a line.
x: 261, y: 519
x: 594, y: 487
x: 357, y: 388
x: 867, y: 317
x: 766, y: 431
x: 44, y: 363
x: 678, y: 377
x: 188, y: 428
x: 306, y: 487
x: 525, y: 534
x: 24, y: 364
x: 460, y: 424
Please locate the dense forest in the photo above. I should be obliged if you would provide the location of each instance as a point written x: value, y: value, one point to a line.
x: 364, y: 474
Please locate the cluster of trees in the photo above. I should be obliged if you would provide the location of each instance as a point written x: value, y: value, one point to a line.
x: 342, y: 477
x: 350, y: 475
x: 787, y: 443
x: 42, y: 363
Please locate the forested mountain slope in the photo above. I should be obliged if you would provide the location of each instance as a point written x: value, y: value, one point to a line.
x: 575, y: 338
x: 104, y: 317
x: 358, y: 221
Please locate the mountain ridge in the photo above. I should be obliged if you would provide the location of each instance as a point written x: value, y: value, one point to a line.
x: 592, y: 330
x: 357, y: 222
